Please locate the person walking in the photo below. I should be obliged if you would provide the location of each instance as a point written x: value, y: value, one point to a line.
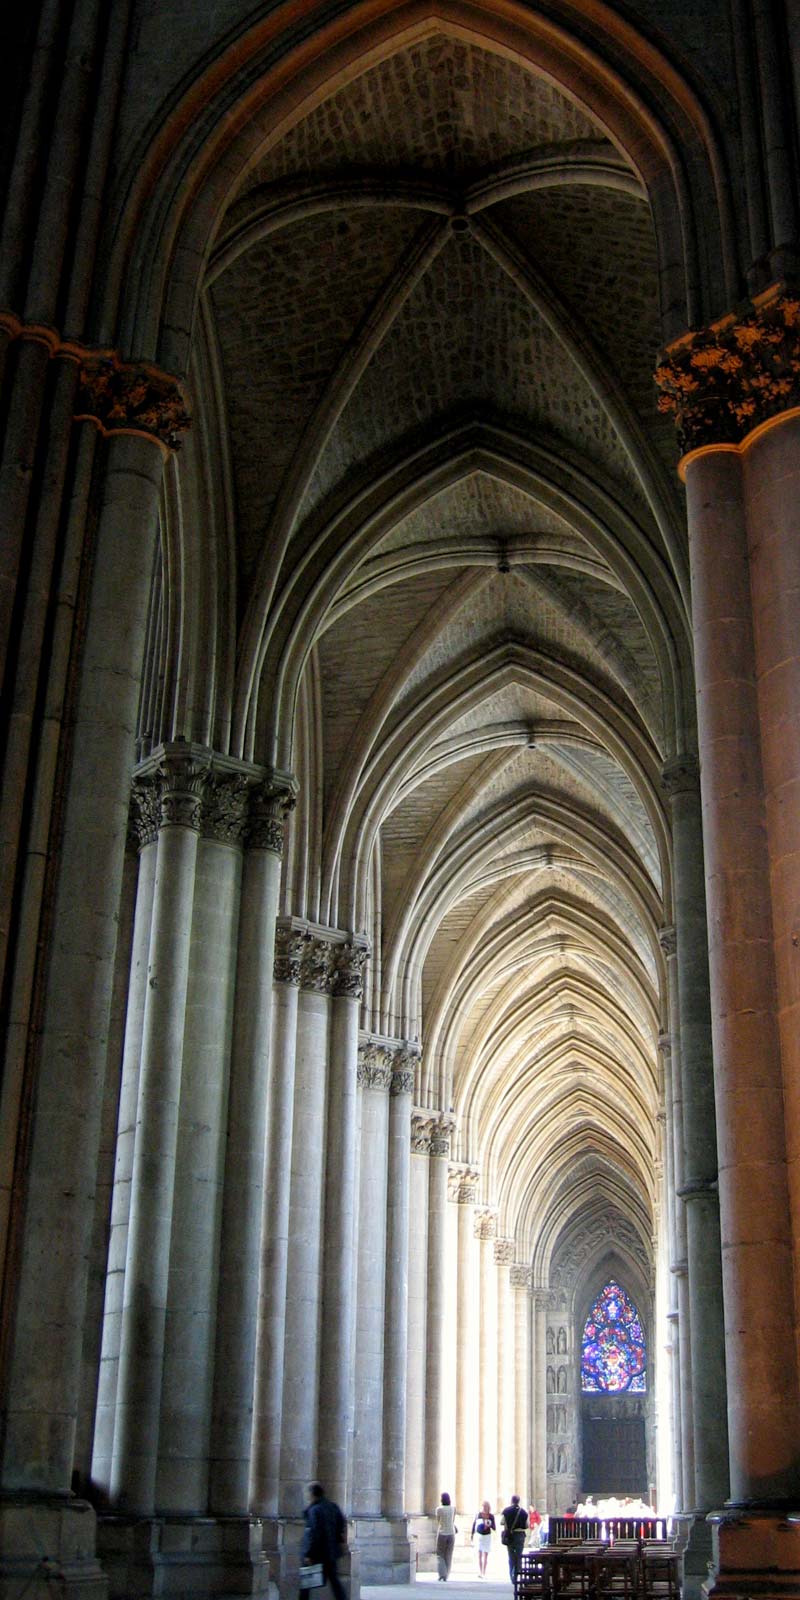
x: 445, y: 1536
x: 324, y: 1538
x: 482, y: 1529
x: 515, y: 1528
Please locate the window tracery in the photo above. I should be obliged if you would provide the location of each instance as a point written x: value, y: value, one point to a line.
x: 613, y: 1347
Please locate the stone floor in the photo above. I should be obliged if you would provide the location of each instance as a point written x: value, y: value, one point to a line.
x: 463, y: 1581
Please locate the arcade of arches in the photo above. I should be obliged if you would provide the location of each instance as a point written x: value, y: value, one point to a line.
x: 400, y: 842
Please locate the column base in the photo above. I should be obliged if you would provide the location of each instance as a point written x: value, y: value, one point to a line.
x: 384, y: 1549
x: 756, y: 1552
x: 282, y: 1539
x: 183, y: 1557
x: 422, y: 1533
x: 698, y: 1555
x: 48, y: 1544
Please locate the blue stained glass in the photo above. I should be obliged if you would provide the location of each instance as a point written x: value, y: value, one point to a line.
x: 613, y: 1349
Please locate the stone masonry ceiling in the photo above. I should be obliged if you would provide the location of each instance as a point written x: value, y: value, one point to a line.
x: 433, y: 306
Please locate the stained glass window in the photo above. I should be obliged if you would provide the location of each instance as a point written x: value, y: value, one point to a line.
x: 613, y: 1350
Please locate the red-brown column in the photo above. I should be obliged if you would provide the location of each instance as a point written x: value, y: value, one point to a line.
x: 772, y: 494
x: 754, y: 1204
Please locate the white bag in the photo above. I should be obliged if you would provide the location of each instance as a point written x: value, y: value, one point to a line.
x: 311, y: 1577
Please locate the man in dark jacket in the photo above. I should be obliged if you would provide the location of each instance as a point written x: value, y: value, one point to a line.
x: 324, y: 1538
x: 515, y: 1528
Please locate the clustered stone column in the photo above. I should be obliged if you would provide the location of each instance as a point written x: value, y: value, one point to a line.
x: 734, y: 393
x: 416, y: 1371
x: 374, y: 1080
x: 174, y: 1402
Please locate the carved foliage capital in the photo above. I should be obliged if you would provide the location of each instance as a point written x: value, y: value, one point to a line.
x: 720, y: 382
x: 504, y: 1252
x: 374, y: 1066
x: 348, y: 970
x: 486, y: 1224
x: 316, y: 966
x: 225, y: 807
x: 288, y: 954
x: 421, y: 1125
x: 182, y: 777
x: 145, y: 811
x: 668, y: 940
x: 129, y: 397
x: 270, y: 804
x: 520, y: 1277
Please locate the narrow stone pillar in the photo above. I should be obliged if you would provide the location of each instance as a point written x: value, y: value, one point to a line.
x: 754, y: 1204
x: 699, y: 1178
x: 416, y: 1393
x: 676, y: 1434
x: 268, y: 1401
x: 145, y: 813
x: 268, y: 798
x: 374, y: 1079
x: 303, y: 1329
x: 668, y: 940
x: 486, y: 1233
x: 504, y: 1256
x: 182, y: 1481
x: 435, y: 1322
x: 181, y: 777
x: 398, y: 1271
x: 540, y: 1407
x: 467, y: 1413
x: 520, y: 1279
x: 337, y: 1347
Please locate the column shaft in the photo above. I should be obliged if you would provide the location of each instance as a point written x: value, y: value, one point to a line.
x: 144, y: 1310
x: 487, y: 1229
x: 243, y: 1194
x: 53, y: 1235
x: 268, y: 1402
x: 396, y: 1326
x: 540, y: 1408
x: 467, y: 1486
x: 504, y: 1255
x: 298, y: 1462
x: 337, y: 1370
x: 188, y: 1379
x: 699, y: 1177
x: 754, y: 1206
x: 772, y: 477
x: 121, y: 1196
x: 416, y: 1413
x: 375, y: 1077
x: 521, y: 1278
x: 434, y: 1340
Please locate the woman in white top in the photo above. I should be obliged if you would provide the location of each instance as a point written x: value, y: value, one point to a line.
x: 445, y: 1536
x: 482, y: 1529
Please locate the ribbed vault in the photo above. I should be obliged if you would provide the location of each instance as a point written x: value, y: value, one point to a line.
x: 453, y: 546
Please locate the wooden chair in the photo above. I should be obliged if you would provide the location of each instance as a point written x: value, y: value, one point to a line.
x: 533, y: 1577
x: 660, y: 1575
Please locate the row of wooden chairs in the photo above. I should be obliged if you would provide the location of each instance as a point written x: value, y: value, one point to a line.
x: 586, y: 1573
